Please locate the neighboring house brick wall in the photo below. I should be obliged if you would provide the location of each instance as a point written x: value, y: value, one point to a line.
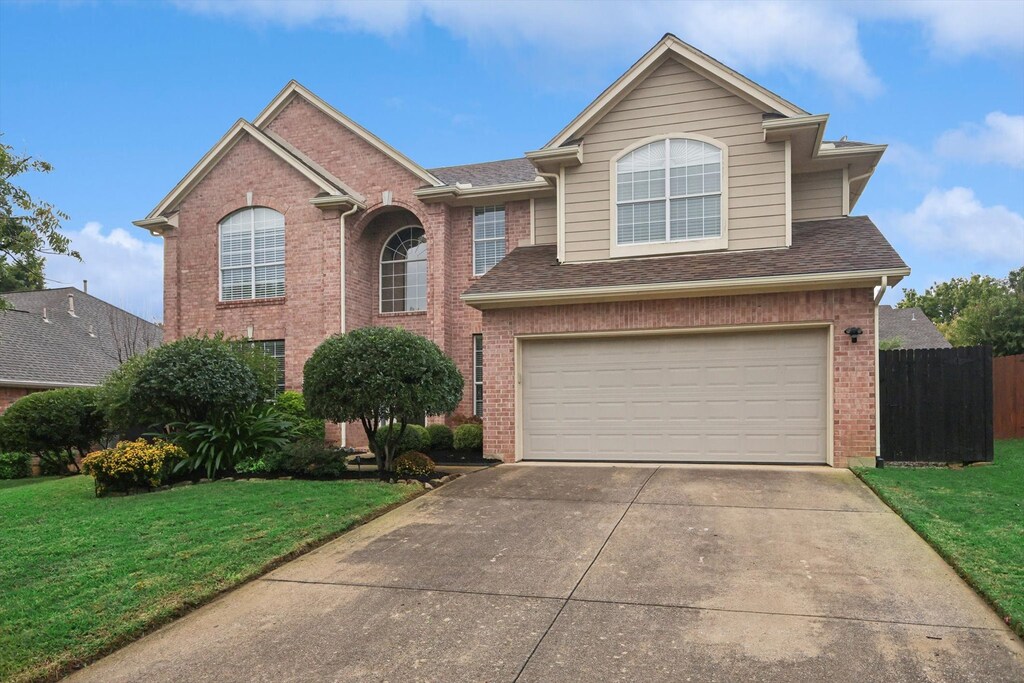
x: 853, y: 365
x: 9, y: 395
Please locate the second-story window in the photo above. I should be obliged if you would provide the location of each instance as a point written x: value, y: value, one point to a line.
x: 669, y: 191
x: 403, y: 272
x: 252, y: 255
x: 488, y: 237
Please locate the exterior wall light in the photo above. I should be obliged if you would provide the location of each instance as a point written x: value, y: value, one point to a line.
x: 853, y: 332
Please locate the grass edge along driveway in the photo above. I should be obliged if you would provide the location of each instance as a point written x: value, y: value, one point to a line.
x: 82, y: 576
x: 973, y: 517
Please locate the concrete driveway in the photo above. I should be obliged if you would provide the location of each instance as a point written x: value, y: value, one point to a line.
x: 600, y: 573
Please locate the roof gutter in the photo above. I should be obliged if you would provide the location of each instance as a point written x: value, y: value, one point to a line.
x: 31, y: 384
x: 679, y: 289
x: 468, y: 193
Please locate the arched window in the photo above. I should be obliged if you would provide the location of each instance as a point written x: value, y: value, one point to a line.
x: 669, y: 191
x: 252, y: 255
x: 403, y: 272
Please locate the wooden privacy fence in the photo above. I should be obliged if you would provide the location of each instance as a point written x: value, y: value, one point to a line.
x: 1008, y: 397
x: 936, y: 404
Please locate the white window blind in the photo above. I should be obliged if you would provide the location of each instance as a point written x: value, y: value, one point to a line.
x: 252, y: 255
x: 488, y: 237
x: 669, y: 191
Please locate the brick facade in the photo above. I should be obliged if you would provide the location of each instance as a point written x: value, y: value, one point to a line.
x: 9, y: 395
x: 853, y: 365
x: 311, y: 309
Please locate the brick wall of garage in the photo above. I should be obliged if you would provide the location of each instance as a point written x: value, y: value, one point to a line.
x: 853, y: 364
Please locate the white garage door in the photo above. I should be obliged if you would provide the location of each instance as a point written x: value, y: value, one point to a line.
x: 736, y: 397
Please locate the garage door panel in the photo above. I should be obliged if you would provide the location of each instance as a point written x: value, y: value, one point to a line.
x: 750, y: 397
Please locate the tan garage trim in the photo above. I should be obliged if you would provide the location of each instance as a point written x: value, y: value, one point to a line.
x: 826, y: 327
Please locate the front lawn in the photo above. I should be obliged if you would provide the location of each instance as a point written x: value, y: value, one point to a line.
x: 80, y: 576
x: 973, y: 516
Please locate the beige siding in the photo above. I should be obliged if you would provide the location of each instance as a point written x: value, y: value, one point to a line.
x: 817, y: 195
x: 675, y: 99
x: 545, y: 217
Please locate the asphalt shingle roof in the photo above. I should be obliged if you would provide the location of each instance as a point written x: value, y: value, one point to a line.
x: 826, y: 246
x: 911, y: 326
x: 487, y: 173
x: 62, y: 351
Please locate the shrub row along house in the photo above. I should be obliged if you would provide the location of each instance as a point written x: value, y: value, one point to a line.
x: 64, y: 337
x: 675, y: 275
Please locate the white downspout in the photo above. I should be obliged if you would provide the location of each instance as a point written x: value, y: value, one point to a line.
x: 343, y: 325
x: 878, y: 399
x: 559, y: 229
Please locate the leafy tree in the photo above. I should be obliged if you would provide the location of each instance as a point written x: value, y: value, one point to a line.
x: 944, y: 301
x: 890, y: 344
x: 378, y: 376
x: 55, y: 425
x: 29, y: 229
x: 193, y: 379
x: 997, y: 321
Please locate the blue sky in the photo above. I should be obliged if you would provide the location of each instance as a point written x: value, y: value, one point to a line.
x: 123, y: 98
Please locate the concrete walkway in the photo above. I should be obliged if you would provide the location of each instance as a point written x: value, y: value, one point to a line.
x: 599, y: 573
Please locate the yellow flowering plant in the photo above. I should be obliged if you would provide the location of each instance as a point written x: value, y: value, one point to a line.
x: 130, y: 465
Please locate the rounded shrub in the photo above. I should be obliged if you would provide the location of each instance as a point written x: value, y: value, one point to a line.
x: 440, y: 437
x: 198, y: 378
x: 379, y: 375
x: 469, y: 437
x: 132, y: 465
x: 311, y: 458
x: 15, y: 465
x: 414, y: 464
x: 415, y: 438
x: 56, y: 425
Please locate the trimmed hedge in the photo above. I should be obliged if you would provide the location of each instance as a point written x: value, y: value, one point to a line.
x: 414, y: 464
x: 15, y: 465
x: 441, y: 437
x: 55, y: 425
x: 416, y: 438
x: 469, y: 437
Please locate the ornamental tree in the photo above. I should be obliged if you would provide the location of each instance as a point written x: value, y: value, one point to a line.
x: 378, y: 376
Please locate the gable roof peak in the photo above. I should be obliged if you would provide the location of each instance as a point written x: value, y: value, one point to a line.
x: 295, y: 89
x: 709, y: 67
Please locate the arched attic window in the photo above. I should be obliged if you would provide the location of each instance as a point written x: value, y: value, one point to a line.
x: 252, y: 255
x: 669, y: 190
x: 403, y: 271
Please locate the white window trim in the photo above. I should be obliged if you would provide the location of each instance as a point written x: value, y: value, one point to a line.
x: 252, y: 251
x: 380, y: 274
x: 478, y: 338
x: 668, y: 247
x: 503, y: 239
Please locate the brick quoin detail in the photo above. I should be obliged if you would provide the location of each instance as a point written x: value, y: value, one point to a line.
x: 853, y: 365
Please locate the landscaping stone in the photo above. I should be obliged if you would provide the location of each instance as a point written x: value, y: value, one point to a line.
x: 428, y: 486
x: 182, y: 483
x: 228, y: 479
x: 165, y: 487
x: 204, y: 480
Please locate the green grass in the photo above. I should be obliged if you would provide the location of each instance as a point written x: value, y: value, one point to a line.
x: 80, y: 576
x: 973, y: 516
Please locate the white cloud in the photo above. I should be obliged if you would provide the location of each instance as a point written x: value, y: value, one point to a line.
x: 749, y: 36
x: 953, y: 221
x: 121, y: 269
x: 959, y: 28
x: 999, y: 140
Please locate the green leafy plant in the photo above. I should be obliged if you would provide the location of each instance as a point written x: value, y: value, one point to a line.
x: 194, y: 379
x: 312, y: 458
x: 440, y: 437
x: 890, y: 344
x: 252, y: 465
x: 57, y: 425
x: 378, y: 376
x: 469, y: 437
x: 15, y: 465
x: 132, y: 465
x: 414, y: 464
x: 292, y: 404
x: 413, y: 438
x: 218, y: 445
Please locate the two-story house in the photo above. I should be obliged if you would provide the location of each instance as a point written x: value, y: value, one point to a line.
x: 674, y: 276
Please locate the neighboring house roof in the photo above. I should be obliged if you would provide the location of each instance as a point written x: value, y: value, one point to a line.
x: 911, y: 326
x: 501, y: 172
x: 821, y: 249
x: 68, y: 350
